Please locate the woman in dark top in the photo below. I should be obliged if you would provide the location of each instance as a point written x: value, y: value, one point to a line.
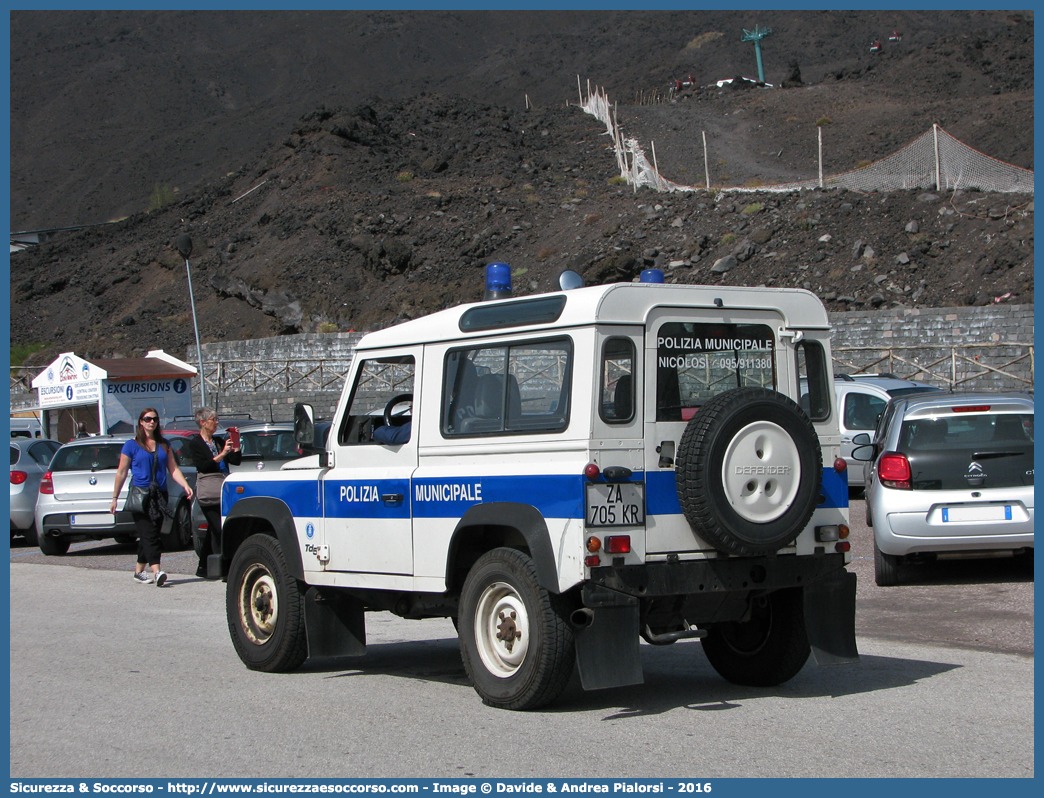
x: 148, y: 459
x: 211, y: 454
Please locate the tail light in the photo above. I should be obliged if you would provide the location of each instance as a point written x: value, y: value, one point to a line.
x: 893, y: 469
x: 618, y: 544
x: 46, y: 483
x: 18, y: 477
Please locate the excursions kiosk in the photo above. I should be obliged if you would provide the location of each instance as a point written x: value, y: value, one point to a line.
x: 113, y: 391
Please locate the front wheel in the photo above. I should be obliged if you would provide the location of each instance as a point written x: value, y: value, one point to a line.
x: 767, y: 649
x: 265, y: 608
x: 517, y: 646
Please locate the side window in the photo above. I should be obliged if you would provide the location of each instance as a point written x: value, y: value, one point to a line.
x: 378, y: 383
x: 696, y: 362
x: 617, y: 380
x: 861, y: 411
x: 512, y: 389
x: 813, y: 376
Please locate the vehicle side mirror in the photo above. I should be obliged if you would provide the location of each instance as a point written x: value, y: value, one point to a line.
x: 864, y: 448
x: 304, y: 426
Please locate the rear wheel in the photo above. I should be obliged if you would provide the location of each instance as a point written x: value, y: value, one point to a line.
x: 515, y: 641
x: 886, y: 568
x: 769, y: 648
x: 265, y: 608
x: 125, y: 540
x: 53, y: 546
x: 179, y: 537
x: 31, y: 535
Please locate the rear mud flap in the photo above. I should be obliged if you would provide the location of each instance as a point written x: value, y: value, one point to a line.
x: 830, y: 618
x: 606, y: 634
x: 335, y: 624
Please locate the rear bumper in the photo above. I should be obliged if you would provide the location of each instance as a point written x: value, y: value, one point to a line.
x: 720, y: 575
x: 903, y: 531
x: 57, y: 525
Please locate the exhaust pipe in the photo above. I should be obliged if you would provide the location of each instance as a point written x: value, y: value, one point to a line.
x: 582, y: 618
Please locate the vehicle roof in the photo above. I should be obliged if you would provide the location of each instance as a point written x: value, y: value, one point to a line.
x: 93, y: 441
x: 25, y: 443
x: 887, y: 382
x: 261, y: 426
x: 927, y: 404
x: 616, y: 303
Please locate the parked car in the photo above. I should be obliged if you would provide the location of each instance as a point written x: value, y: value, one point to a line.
x: 267, y: 447
x: 949, y: 474
x: 76, y: 491
x: 29, y: 461
x: 861, y: 400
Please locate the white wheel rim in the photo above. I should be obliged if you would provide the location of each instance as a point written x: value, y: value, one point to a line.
x: 501, y: 629
x: 258, y: 604
x: 761, y: 472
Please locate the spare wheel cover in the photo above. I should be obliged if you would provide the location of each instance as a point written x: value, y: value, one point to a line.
x: 748, y: 471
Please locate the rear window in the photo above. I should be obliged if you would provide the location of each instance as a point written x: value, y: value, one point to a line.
x: 97, y: 457
x: 981, y: 451
x: 695, y: 362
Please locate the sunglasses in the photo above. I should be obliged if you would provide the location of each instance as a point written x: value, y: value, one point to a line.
x: 149, y: 419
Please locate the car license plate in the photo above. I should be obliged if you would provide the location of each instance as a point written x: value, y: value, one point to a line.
x: 990, y: 512
x: 615, y: 504
x: 92, y: 519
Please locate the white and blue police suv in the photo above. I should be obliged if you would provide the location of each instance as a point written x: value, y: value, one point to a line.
x: 563, y: 475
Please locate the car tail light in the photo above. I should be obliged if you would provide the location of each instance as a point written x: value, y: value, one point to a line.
x: 592, y: 472
x: 46, y: 483
x: 893, y: 469
x: 18, y: 477
x: 618, y: 544
x: 840, y: 465
x: 971, y: 409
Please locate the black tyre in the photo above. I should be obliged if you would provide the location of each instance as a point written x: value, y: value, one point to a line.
x: 768, y: 649
x: 125, y: 540
x: 886, y: 568
x: 32, y: 537
x: 53, y: 546
x: 517, y: 646
x: 265, y: 608
x: 749, y: 471
x: 179, y: 536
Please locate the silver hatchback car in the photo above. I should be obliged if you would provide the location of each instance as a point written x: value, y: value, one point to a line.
x: 949, y: 474
x: 76, y: 491
x: 29, y: 460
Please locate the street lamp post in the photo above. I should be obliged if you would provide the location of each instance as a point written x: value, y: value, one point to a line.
x: 184, y: 245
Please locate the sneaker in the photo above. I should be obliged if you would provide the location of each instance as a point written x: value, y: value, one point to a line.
x: 160, y: 578
x: 142, y: 577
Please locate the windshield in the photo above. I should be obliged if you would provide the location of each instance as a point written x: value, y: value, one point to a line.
x: 269, y: 445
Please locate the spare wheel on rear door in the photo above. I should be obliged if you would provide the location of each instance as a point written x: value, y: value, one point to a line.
x: 748, y: 471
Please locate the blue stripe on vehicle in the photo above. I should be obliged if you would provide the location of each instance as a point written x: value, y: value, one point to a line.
x: 662, y: 492
x: 301, y: 496
x: 554, y: 495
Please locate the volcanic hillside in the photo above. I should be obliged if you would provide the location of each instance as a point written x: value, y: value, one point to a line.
x: 360, y: 210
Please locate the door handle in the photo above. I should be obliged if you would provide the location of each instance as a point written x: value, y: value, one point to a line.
x: 391, y: 498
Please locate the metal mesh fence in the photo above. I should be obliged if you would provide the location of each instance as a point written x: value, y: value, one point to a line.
x: 936, y: 160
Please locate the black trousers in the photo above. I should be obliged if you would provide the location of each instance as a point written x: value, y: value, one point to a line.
x: 149, y: 545
x: 211, y: 542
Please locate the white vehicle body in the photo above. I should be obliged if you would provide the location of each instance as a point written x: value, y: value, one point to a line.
x: 554, y: 429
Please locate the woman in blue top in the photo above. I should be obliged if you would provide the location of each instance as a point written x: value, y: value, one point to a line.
x: 149, y: 459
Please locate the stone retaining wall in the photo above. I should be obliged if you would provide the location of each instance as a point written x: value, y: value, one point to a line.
x: 963, y: 340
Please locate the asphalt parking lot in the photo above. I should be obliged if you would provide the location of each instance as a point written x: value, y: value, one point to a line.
x: 978, y: 604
